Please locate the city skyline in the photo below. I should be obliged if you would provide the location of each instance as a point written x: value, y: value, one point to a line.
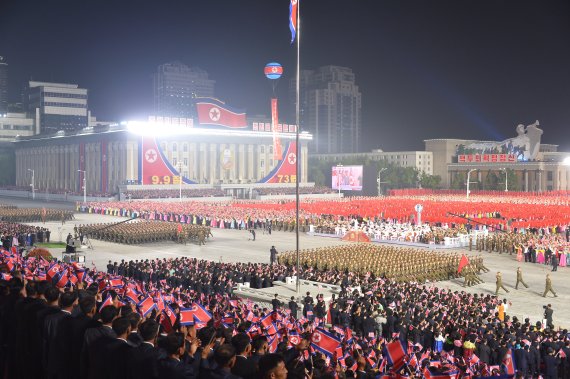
x: 438, y: 70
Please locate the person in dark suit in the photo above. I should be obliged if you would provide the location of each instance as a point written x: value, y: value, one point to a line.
x: 143, y: 362
x: 551, y: 363
x: 75, y: 328
x: 57, y: 338
x: 89, y: 352
x: 243, y: 367
x: 175, y: 364
x: 272, y: 255
x: 118, y: 351
x: 134, y: 338
x: 52, y: 298
x: 272, y: 366
x: 276, y: 303
x: 521, y: 359
x: 293, y: 307
x: 548, y: 312
x: 225, y: 359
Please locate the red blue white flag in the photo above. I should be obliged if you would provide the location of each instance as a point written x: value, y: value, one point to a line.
x: 107, y: 303
x: 293, y: 6
x: 146, y: 306
x: 212, y: 112
x: 324, y: 342
x: 186, y: 316
x: 200, y: 313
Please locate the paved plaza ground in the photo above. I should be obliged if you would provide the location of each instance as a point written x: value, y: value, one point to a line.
x: 233, y: 246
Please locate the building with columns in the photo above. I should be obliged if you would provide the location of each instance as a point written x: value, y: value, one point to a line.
x: 535, y: 167
x: 111, y: 156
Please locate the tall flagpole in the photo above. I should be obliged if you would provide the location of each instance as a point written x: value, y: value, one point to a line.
x: 297, y: 108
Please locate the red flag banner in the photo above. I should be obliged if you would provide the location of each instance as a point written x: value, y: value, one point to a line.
x: 212, y: 112
x: 462, y: 263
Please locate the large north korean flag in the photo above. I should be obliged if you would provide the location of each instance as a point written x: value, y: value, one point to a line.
x: 211, y: 112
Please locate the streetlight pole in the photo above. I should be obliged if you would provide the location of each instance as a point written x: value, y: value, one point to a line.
x: 379, y: 181
x: 33, y: 185
x: 469, y: 180
x: 84, y: 185
x: 338, y: 167
x: 506, y: 179
x: 180, y: 178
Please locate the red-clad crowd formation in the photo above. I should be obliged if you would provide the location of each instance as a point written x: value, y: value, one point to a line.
x: 499, y: 212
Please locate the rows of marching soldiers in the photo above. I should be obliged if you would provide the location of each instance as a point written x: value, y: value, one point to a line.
x: 140, y: 232
x: 8, y: 214
x: 402, y: 264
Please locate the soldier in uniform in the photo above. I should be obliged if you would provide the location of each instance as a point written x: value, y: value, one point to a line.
x: 520, y: 279
x: 548, y: 287
x: 499, y: 283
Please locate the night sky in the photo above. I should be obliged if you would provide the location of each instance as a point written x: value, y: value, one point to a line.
x: 426, y: 68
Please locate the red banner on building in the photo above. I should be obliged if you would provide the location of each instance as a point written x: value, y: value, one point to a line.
x: 286, y: 169
x: 155, y: 167
x: 277, y: 149
x: 486, y: 158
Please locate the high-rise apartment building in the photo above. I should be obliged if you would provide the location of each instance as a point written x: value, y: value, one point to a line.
x: 57, y: 106
x: 176, y: 86
x: 330, y: 109
x: 3, y: 86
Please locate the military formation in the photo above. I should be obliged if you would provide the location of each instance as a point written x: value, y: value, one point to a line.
x: 10, y: 214
x: 402, y: 264
x: 502, y: 242
x: 141, y: 232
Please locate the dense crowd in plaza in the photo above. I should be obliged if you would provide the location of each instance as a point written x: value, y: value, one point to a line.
x: 139, y: 232
x: 177, y: 318
x: 291, y: 190
x: 150, y: 193
x: 21, y: 235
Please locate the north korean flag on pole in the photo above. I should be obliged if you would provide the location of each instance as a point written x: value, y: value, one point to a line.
x: 509, y: 362
x: 293, y: 19
x: 324, y: 342
x: 212, y: 112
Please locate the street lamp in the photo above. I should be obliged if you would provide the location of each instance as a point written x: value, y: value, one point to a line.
x: 469, y: 180
x: 506, y: 179
x: 33, y: 184
x: 180, y: 178
x: 379, y: 181
x: 84, y: 185
x: 338, y: 167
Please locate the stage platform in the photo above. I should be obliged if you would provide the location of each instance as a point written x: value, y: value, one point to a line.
x: 285, y: 290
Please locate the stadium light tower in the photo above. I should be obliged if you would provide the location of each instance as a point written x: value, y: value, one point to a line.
x: 84, y: 185
x: 469, y: 180
x: 33, y: 184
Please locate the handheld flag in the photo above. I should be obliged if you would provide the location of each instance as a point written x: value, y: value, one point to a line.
x: 462, y: 263
x: 324, y: 342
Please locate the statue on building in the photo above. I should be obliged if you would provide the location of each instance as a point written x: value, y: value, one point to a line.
x: 525, y: 145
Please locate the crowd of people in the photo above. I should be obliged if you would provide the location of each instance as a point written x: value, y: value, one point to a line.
x: 150, y: 193
x: 178, y: 318
x: 389, y: 230
x: 505, y: 215
x: 139, y: 232
x: 10, y: 214
x: 400, y: 264
x: 291, y: 190
x: 21, y: 235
